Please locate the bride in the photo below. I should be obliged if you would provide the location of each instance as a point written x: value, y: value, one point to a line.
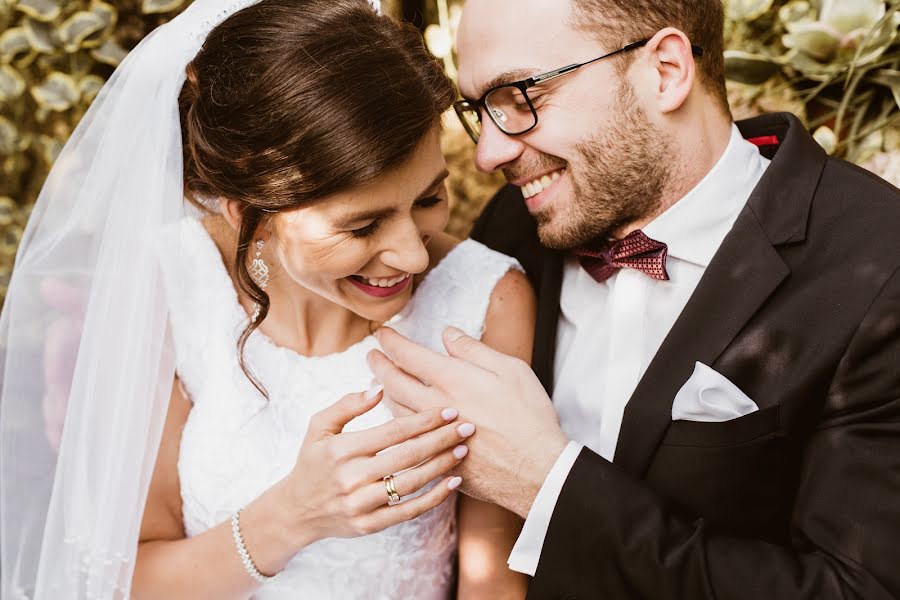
x: 218, y: 440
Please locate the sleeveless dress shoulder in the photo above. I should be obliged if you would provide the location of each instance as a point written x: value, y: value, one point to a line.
x: 236, y: 444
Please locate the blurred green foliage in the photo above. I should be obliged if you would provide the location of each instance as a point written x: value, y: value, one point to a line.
x: 55, y: 55
x: 835, y: 63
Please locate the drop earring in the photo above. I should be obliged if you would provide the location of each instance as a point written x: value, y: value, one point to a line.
x: 259, y: 272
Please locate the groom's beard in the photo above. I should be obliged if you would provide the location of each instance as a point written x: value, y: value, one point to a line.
x: 618, y: 178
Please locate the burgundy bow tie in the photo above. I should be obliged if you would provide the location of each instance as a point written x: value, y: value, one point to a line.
x: 635, y: 251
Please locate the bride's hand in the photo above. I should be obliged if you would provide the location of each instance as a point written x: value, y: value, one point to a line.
x: 337, y: 487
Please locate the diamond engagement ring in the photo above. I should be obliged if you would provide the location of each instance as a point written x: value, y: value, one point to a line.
x: 393, y: 496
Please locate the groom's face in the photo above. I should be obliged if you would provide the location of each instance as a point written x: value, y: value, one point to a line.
x: 600, y: 160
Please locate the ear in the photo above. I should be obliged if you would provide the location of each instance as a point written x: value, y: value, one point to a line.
x: 675, y: 68
x: 231, y: 210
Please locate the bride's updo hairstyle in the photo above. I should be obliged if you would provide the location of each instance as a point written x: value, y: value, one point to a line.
x: 293, y: 100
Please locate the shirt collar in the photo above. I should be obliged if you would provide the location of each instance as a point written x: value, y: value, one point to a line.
x: 693, y: 228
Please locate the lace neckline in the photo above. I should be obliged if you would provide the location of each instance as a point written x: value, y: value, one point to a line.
x: 240, y: 315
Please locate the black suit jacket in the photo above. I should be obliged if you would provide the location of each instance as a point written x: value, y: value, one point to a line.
x: 800, y: 308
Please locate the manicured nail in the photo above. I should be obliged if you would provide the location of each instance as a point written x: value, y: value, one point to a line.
x: 449, y: 414
x: 454, y: 483
x: 453, y: 334
x: 460, y: 452
x: 374, y: 391
x: 466, y: 430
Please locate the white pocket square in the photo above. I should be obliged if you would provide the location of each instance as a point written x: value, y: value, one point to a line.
x: 709, y: 397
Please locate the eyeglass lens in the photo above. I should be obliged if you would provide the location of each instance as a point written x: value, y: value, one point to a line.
x: 510, y: 110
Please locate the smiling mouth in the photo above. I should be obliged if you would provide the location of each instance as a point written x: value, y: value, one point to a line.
x: 535, y: 187
x: 380, y: 287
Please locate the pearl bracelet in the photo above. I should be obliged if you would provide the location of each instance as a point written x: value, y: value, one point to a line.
x: 242, y: 551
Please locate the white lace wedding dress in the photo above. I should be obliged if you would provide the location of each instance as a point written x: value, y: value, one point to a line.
x: 236, y: 444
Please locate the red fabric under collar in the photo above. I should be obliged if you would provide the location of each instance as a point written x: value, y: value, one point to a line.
x: 766, y: 140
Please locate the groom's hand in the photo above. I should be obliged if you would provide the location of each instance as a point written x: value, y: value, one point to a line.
x: 518, y: 439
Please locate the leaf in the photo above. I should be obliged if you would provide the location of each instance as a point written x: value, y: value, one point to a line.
x: 14, y: 44
x: 795, y: 11
x: 747, y: 10
x: 107, y: 12
x: 40, y: 36
x: 149, y: 7
x: 12, y: 85
x: 8, y: 210
x: 9, y: 240
x: 826, y: 138
x: 58, y: 92
x: 83, y: 29
x: 41, y: 10
x: 847, y: 16
x: 110, y: 53
x: 889, y: 78
x: 48, y: 148
x: 870, y: 45
x: 9, y: 136
x: 811, y: 68
x: 89, y: 87
x: 813, y: 39
x: 752, y: 69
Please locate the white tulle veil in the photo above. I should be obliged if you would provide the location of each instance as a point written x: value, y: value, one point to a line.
x: 83, y: 333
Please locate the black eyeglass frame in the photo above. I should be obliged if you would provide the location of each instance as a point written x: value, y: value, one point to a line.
x: 461, y: 106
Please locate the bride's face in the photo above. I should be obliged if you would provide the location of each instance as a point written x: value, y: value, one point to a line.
x: 361, y: 248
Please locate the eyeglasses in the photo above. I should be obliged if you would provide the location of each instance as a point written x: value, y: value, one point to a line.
x: 511, y: 108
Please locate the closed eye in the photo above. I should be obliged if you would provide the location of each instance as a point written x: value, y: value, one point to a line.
x: 428, y: 202
x: 372, y: 228
x: 535, y: 94
x: 366, y: 231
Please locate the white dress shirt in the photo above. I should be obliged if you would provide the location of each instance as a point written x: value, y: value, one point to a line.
x: 609, y: 332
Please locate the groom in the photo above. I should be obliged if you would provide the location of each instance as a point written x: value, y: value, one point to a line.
x: 718, y: 322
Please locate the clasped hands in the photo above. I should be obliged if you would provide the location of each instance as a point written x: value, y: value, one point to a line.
x: 519, y: 437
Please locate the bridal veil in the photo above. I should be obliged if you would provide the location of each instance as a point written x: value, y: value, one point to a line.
x: 83, y: 332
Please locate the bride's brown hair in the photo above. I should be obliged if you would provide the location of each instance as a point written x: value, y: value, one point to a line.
x: 293, y: 100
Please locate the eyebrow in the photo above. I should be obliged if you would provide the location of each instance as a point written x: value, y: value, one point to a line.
x: 379, y: 213
x: 503, y: 79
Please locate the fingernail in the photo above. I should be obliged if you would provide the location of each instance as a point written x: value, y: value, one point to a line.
x: 374, y: 391
x: 453, y: 334
x: 449, y: 414
x: 460, y: 452
x: 454, y: 483
x: 466, y: 430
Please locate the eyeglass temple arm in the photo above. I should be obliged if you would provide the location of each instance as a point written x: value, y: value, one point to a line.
x: 696, y: 50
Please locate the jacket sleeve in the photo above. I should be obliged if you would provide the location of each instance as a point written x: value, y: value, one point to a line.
x: 612, y: 537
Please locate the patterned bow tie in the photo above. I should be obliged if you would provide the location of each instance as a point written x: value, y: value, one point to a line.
x: 635, y: 251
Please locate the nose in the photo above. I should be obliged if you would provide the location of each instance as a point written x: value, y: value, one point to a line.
x: 407, y: 251
x: 495, y: 148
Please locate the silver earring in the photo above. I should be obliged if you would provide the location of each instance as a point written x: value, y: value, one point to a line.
x: 259, y: 272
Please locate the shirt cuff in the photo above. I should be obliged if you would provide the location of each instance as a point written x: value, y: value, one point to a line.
x: 527, y: 552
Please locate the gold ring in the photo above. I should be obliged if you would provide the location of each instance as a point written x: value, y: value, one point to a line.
x: 393, y: 496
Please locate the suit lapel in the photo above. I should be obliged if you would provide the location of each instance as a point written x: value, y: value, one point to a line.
x: 742, y: 275
x: 547, y: 318
x: 745, y: 271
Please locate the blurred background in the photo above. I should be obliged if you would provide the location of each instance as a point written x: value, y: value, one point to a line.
x: 834, y: 63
